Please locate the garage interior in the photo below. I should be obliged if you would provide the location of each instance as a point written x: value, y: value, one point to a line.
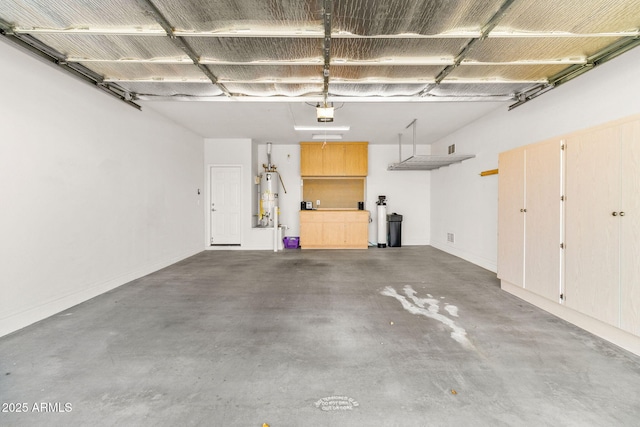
x: 119, y: 308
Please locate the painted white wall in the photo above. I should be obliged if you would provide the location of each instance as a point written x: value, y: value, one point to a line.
x: 241, y: 152
x: 408, y: 194
x: 407, y: 191
x: 94, y: 193
x: 464, y: 203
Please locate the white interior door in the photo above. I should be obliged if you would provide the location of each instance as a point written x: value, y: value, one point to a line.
x: 543, y: 219
x: 225, y: 205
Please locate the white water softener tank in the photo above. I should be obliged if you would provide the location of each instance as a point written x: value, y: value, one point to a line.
x: 382, y: 221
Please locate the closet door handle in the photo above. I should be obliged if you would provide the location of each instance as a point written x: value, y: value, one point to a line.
x: 621, y: 213
x: 614, y: 213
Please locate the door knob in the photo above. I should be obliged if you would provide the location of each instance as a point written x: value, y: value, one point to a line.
x: 614, y: 213
x: 621, y: 213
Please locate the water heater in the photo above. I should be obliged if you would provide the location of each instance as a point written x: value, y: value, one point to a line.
x: 268, y: 200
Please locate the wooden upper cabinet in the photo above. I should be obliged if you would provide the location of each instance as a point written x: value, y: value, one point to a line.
x: 356, y: 157
x: 334, y: 159
x: 309, y: 155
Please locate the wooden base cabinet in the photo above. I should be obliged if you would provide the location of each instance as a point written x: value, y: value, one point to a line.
x: 334, y: 229
x: 597, y: 271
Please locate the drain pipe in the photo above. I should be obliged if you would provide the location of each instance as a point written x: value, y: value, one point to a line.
x: 275, y: 229
x: 270, y: 168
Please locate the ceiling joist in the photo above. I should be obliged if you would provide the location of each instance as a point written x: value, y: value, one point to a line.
x: 180, y: 42
x: 317, y: 33
x: 326, y: 48
x: 486, y: 29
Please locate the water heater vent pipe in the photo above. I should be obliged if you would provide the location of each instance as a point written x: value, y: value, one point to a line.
x: 269, y: 156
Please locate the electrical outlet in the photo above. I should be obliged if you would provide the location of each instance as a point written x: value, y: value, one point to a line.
x: 317, y: 202
x: 451, y: 238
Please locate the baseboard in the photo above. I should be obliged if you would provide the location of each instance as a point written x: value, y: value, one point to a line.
x: 485, y: 263
x: 18, y: 320
x: 607, y: 332
x: 241, y: 248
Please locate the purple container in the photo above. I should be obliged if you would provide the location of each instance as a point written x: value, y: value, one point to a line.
x: 291, y: 242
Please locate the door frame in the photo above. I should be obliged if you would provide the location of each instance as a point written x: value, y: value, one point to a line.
x: 207, y: 206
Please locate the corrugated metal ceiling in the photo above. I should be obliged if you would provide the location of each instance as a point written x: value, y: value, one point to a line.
x: 422, y: 49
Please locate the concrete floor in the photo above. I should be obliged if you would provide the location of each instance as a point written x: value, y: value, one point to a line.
x: 381, y: 337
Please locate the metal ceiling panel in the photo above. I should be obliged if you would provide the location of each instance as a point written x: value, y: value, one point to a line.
x: 150, y: 90
x: 256, y: 49
x: 480, y: 89
x: 571, y: 16
x: 267, y: 73
x: 385, y: 50
x: 244, y: 16
x: 386, y: 74
x: 375, y: 90
x: 116, y: 71
x: 505, y: 73
x: 430, y: 17
x: 271, y: 89
x: 537, y: 49
x: 115, y: 47
x: 77, y: 14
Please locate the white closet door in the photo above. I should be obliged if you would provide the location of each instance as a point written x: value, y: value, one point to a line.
x: 510, y: 218
x: 591, y: 231
x: 630, y: 229
x: 543, y: 219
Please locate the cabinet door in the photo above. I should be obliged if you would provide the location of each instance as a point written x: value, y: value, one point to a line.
x: 333, y: 159
x: 510, y: 217
x: 630, y: 229
x: 356, y: 159
x: 333, y: 234
x: 310, y: 234
x: 591, y: 231
x: 357, y: 229
x: 311, y: 159
x: 543, y: 219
